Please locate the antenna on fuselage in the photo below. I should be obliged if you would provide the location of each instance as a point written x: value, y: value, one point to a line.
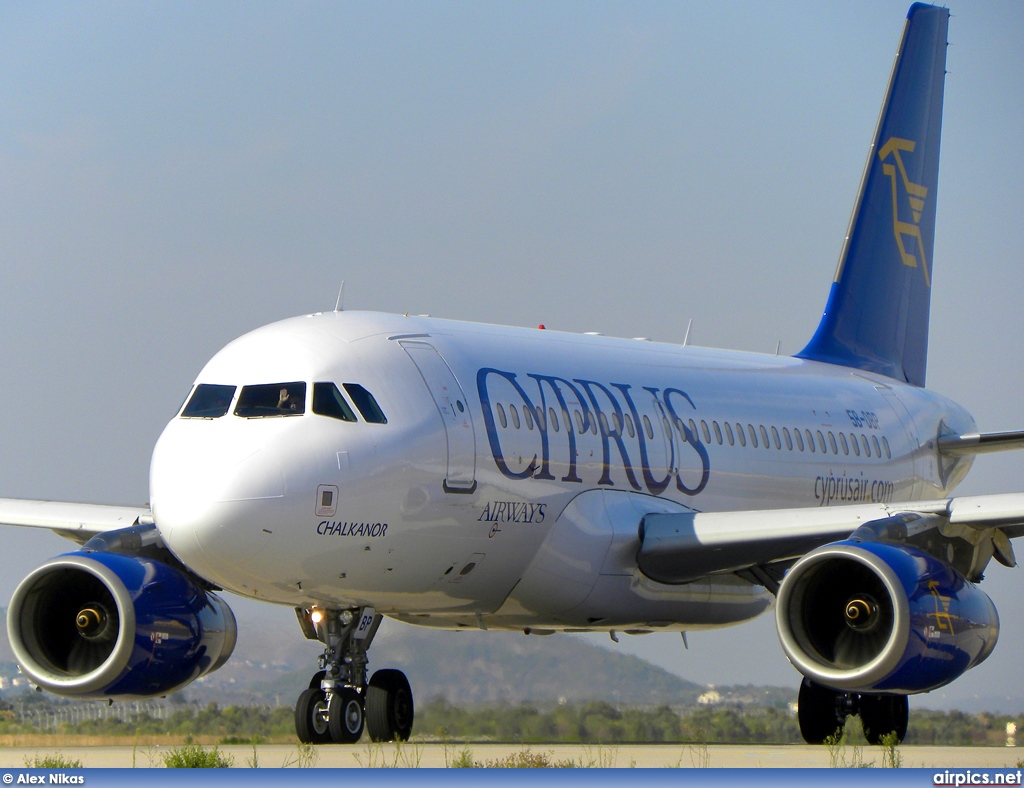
x: 341, y: 290
x: 686, y: 339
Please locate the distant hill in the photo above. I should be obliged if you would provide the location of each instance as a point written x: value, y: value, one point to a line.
x: 466, y: 668
x: 273, y: 663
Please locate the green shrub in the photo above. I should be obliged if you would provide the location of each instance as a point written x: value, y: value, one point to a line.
x: 193, y: 756
x: 55, y: 761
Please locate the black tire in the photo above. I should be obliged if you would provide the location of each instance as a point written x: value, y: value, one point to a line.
x: 345, y: 716
x: 882, y: 714
x: 818, y: 713
x: 389, y: 706
x: 311, y: 717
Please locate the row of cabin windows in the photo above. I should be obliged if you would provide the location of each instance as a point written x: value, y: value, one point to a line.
x: 847, y: 443
x: 529, y: 416
x: 733, y: 434
x: 211, y: 401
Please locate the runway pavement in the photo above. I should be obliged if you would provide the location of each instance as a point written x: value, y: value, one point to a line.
x: 609, y: 756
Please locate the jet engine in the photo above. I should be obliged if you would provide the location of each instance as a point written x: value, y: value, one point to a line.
x: 107, y: 625
x: 874, y: 617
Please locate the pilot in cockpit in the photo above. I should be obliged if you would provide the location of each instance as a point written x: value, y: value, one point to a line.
x: 287, y: 402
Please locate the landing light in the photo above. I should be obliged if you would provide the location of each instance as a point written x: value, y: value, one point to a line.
x: 316, y: 617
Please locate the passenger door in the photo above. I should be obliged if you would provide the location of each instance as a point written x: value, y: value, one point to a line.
x: 454, y: 409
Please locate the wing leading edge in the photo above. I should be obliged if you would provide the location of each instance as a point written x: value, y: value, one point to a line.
x: 682, y: 547
x: 76, y: 521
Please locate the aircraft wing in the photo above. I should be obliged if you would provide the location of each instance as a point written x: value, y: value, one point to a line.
x: 681, y: 547
x: 76, y: 521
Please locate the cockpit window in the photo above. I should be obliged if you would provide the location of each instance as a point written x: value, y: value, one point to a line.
x: 366, y: 404
x: 271, y: 399
x: 208, y: 401
x: 328, y: 401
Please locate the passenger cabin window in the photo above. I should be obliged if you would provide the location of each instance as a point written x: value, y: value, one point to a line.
x: 328, y: 401
x: 366, y: 404
x: 208, y: 401
x: 271, y: 399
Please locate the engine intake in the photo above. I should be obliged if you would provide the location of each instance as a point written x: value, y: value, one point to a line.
x: 874, y: 617
x: 105, y: 625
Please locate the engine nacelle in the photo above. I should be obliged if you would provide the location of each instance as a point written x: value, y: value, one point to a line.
x: 107, y: 625
x: 874, y: 617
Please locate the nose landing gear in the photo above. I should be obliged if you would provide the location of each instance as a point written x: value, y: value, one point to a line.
x: 340, y: 701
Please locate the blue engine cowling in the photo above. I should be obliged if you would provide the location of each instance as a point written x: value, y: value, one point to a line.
x: 874, y: 617
x: 106, y: 625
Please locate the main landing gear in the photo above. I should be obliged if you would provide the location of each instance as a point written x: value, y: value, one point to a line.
x: 822, y: 713
x: 340, y: 701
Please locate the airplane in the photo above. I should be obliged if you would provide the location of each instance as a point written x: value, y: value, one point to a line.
x: 358, y: 465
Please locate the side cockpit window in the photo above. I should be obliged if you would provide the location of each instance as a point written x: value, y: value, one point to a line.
x: 271, y: 399
x: 328, y: 401
x: 208, y: 401
x: 366, y: 404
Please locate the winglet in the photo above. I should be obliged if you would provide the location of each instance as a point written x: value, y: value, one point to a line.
x: 876, y: 317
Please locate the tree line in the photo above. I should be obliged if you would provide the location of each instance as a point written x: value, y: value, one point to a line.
x: 597, y: 723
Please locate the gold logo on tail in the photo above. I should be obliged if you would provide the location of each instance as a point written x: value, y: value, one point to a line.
x: 916, y: 194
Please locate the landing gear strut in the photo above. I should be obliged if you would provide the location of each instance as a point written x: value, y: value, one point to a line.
x: 822, y: 713
x: 340, y: 701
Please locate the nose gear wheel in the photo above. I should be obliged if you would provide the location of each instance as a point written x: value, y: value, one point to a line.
x: 340, y: 702
x: 311, y: 717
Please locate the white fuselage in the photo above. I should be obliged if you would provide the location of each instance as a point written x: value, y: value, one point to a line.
x: 506, y: 487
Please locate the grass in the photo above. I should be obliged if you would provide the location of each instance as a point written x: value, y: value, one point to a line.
x: 523, y: 759
x: 195, y: 756
x: 53, y: 761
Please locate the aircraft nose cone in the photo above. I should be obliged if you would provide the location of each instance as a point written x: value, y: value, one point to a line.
x: 214, y: 499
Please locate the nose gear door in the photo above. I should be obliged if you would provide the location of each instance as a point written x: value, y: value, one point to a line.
x: 454, y: 409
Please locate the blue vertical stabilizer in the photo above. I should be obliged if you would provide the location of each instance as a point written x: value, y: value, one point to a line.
x: 876, y: 317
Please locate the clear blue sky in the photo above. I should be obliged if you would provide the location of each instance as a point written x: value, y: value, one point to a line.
x: 175, y: 174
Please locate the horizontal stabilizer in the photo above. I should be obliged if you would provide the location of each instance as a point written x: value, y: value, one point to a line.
x: 980, y: 443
